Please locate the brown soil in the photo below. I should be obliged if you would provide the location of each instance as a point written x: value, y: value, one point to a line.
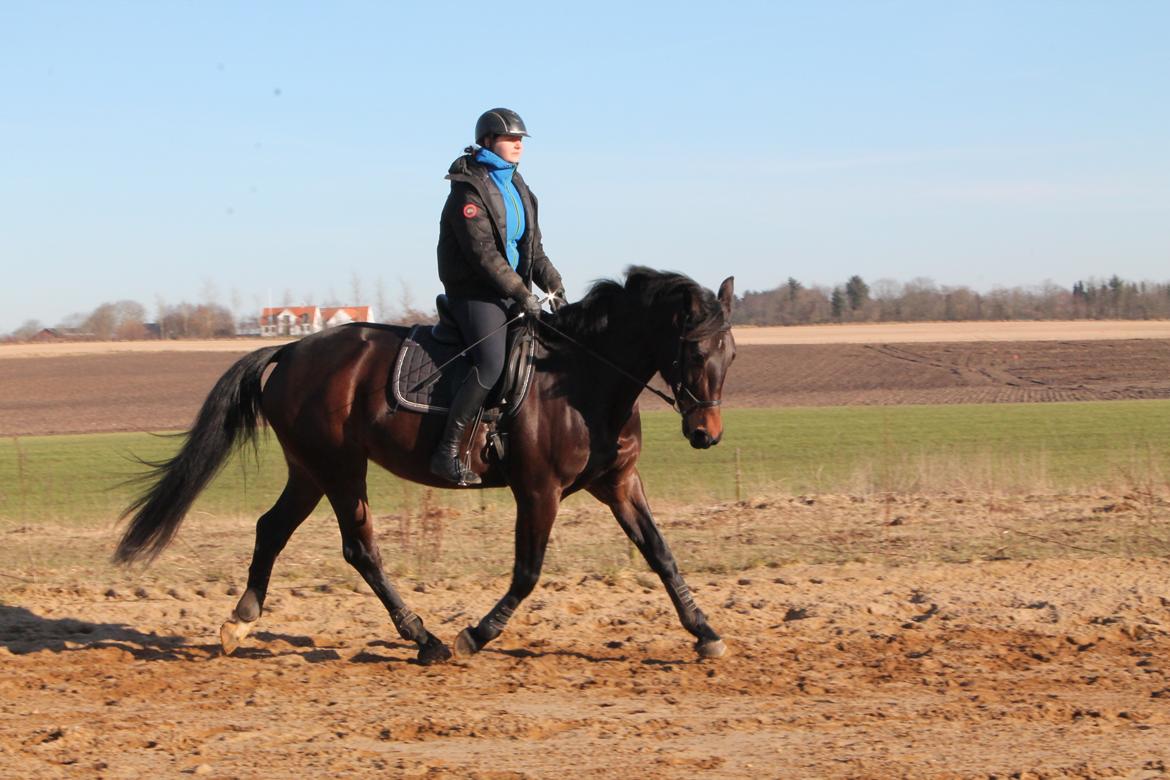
x: 111, y: 392
x: 948, y: 373
x: 1040, y: 659
x: 920, y: 332
x: 163, y: 390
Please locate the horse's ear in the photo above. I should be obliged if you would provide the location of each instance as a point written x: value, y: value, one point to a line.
x: 727, y: 295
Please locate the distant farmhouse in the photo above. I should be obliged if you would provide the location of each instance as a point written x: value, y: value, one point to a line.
x: 62, y: 334
x: 303, y: 320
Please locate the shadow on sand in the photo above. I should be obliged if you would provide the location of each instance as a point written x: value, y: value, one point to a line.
x: 23, y: 631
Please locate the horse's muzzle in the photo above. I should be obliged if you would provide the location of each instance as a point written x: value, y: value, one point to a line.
x: 701, y: 440
x: 708, y: 429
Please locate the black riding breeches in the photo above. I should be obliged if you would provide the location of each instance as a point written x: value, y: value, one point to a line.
x: 476, y: 319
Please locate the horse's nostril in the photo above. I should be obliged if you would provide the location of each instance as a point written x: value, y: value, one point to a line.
x: 700, y: 439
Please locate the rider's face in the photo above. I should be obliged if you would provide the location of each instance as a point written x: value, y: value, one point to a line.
x: 509, y: 147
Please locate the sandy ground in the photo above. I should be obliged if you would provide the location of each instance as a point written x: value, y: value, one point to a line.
x: 872, y: 638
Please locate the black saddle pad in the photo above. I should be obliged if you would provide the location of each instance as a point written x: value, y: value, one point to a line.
x: 421, y: 355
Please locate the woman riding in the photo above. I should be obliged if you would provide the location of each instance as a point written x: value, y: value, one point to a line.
x: 489, y: 254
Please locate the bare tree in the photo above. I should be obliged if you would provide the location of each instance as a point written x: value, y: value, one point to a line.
x: 186, y: 320
x: 409, y: 314
x: 131, y: 320
x: 74, y: 321
x: 121, y: 320
x: 160, y: 310
x: 380, y: 297
x: 27, y: 330
x: 209, y: 291
x: 355, y: 289
x: 102, y: 321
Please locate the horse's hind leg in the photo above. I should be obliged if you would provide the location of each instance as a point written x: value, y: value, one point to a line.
x: 361, y: 552
x: 301, y: 495
x: 623, y: 494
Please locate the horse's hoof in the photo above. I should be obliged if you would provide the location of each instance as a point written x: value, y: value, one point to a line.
x: 436, y: 653
x: 711, y: 648
x: 232, y: 633
x: 465, y: 644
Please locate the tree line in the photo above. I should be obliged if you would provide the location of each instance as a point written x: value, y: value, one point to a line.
x: 128, y: 320
x: 920, y: 300
x: 792, y: 303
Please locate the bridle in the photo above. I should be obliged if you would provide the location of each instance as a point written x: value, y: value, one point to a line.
x: 679, y: 386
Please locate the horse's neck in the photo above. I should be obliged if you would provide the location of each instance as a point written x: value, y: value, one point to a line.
x: 633, y: 348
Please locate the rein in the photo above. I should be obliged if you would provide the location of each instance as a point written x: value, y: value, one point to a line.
x: 678, y: 387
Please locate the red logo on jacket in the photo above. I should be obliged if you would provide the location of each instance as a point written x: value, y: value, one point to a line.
x: 470, y: 211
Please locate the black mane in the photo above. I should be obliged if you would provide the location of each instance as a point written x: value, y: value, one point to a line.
x: 609, y: 301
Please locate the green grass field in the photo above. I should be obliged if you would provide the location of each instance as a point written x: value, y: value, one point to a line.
x: 999, y: 448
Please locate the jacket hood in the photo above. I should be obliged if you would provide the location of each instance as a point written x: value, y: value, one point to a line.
x: 464, y: 165
x: 467, y: 168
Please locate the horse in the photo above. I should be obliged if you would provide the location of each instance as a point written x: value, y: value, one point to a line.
x: 325, y: 398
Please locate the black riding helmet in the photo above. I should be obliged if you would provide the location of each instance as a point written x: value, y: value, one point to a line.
x: 499, y: 121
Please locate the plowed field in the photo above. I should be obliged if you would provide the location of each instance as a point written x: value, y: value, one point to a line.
x: 163, y: 390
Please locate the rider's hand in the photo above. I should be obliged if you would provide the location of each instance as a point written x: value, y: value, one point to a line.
x: 556, y: 299
x: 531, y: 306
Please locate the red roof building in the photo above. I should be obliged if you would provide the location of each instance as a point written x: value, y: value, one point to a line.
x: 303, y: 320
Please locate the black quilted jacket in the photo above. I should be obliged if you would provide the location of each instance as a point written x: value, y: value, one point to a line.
x: 472, y: 263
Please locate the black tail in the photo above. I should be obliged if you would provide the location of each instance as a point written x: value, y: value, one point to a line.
x: 228, y: 418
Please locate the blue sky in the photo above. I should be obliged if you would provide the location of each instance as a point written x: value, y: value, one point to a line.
x: 181, y: 151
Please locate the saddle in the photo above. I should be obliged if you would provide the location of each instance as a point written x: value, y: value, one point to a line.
x: 419, y: 386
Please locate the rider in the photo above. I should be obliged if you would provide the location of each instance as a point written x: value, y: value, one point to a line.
x: 489, y: 254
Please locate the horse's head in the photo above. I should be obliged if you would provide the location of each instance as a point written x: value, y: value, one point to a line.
x: 704, y: 353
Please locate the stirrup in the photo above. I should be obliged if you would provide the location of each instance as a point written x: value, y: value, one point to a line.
x: 451, y: 469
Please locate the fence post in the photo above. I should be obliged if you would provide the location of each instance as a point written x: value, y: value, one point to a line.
x: 738, y: 477
x: 22, y: 479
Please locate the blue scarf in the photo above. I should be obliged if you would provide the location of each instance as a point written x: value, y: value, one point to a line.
x: 501, y: 172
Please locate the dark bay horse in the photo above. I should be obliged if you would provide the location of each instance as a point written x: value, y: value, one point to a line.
x: 326, y: 399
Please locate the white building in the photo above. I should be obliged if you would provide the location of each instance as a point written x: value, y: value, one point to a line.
x: 303, y: 320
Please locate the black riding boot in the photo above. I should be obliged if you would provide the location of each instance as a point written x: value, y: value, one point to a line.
x: 466, y: 404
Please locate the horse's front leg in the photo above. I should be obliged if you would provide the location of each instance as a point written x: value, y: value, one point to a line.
x: 535, y: 513
x: 624, y: 495
x: 360, y: 550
